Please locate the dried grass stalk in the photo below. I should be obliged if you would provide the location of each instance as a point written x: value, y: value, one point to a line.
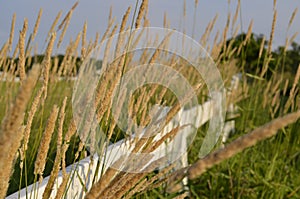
x: 120, y: 41
x: 136, y: 178
x: 111, y: 76
x: 158, y: 49
x: 288, y: 41
x: 171, y: 113
x: 61, y: 37
x: 21, y: 63
x: 53, y: 25
x: 67, y: 65
x: 170, y: 135
x: 248, y: 140
x: 274, y: 4
x: 176, y: 107
x: 32, y: 111
x: 36, y: 26
x: 10, y: 134
x: 225, y: 32
x: 12, y: 31
x: 62, y: 187
x: 272, y: 33
x: 134, y: 164
x: 182, y: 196
x: 236, y: 14
x: 106, y: 33
x: 3, y: 57
x: 266, y: 94
x: 248, y: 36
x: 15, y: 52
x: 292, y: 18
x: 296, y: 81
x: 71, y: 131
x: 110, y: 13
x: 135, y: 189
x: 47, y: 64
x: 249, y: 32
x: 102, y: 87
x: 116, y: 115
x: 208, y: 30
x: 57, y: 161
x: 165, y: 20
x: 54, y: 68
x: 44, y: 144
x: 98, y: 187
x: 291, y: 100
x: 143, y: 8
x: 275, y: 87
x: 293, y: 37
x: 83, y: 41
x: 216, y: 49
x: 262, y: 45
x: 115, y: 183
x: 143, y: 186
x: 66, y: 58
x: 109, y: 175
x: 65, y: 23
x: 285, y: 87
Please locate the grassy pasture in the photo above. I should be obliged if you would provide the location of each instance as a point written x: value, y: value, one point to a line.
x: 270, y: 95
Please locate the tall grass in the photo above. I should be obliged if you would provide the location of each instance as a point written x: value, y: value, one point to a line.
x: 34, y: 144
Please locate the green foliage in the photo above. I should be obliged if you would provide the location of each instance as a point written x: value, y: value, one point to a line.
x: 282, y: 60
x: 291, y: 57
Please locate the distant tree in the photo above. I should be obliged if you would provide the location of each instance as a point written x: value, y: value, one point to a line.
x: 292, y: 58
x: 248, y: 55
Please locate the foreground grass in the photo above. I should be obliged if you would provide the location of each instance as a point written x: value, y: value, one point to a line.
x: 270, y: 169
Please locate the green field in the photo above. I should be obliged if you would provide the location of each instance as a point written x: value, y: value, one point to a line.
x: 268, y: 93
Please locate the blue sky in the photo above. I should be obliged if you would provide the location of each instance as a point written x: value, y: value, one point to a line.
x: 95, y: 12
